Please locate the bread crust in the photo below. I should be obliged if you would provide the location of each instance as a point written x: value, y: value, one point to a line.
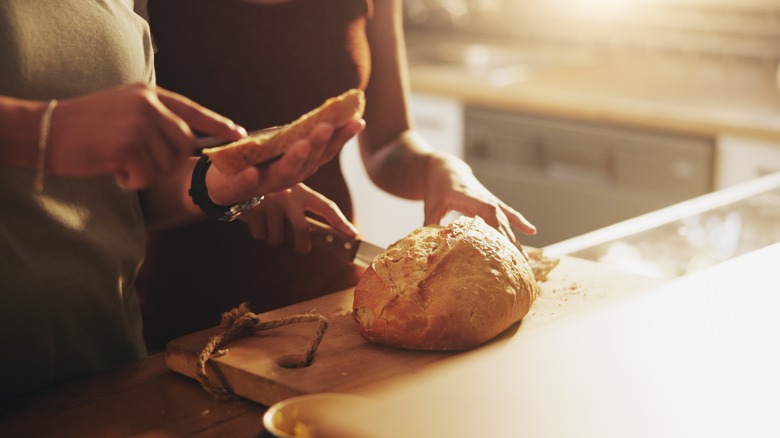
x: 252, y: 150
x: 469, y: 285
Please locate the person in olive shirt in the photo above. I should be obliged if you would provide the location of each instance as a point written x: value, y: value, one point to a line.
x: 91, y: 155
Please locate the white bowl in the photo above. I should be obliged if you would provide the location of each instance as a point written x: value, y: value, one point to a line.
x: 299, y: 416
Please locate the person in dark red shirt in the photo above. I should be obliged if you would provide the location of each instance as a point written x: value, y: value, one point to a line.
x: 263, y: 63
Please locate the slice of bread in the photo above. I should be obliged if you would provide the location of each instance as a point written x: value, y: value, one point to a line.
x: 252, y: 150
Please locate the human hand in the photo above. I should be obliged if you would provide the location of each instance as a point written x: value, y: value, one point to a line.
x: 137, y: 132
x: 451, y: 186
x: 281, y: 215
x: 301, y: 161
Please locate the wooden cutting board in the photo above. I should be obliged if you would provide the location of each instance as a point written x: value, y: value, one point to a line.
x: 345, y: 362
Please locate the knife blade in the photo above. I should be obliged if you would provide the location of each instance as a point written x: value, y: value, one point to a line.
x: 349, y: 249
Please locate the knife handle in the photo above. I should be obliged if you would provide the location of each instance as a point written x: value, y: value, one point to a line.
x: 324, y: 236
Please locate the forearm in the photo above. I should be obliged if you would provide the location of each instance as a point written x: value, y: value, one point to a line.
x: 19, y: 130
x: 401, y: 166
x: 395, y: 156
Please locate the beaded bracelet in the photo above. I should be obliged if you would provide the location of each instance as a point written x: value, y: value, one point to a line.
x: 43, y: 145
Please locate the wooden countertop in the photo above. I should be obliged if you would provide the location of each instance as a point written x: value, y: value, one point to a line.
x: 147, y: 399
x: 697, y: 95
x: 143, y: 399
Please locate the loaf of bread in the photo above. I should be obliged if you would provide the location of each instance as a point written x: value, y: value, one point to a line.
x: 252, y: 150
x: 448, y: 287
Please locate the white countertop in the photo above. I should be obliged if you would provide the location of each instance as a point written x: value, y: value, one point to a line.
x: 747, y: 192
x: 693, y: 357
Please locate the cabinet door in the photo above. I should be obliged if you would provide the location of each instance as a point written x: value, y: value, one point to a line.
x: 440, y: 121
x: 741, y: 159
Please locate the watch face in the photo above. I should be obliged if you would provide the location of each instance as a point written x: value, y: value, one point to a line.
x: 236, y: 210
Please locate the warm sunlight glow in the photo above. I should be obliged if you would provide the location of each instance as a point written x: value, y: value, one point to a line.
x: 603, y: 8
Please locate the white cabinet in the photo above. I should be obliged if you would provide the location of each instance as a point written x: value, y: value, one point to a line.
x: 741, y: 159
x: 381, y: 217
x: 440, y: 121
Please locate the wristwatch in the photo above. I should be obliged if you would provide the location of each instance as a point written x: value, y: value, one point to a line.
x: 200, y: 195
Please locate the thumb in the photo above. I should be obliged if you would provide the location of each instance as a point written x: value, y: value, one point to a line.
x: 230, y: 189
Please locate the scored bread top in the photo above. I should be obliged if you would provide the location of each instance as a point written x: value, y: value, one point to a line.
x: 252, y: 150
x: 405, y: 264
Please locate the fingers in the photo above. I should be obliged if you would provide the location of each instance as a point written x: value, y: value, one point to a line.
x: 290, y: 169
x: 282, y: 215
x: 269, y: 220
x: 329, y: 211
x: 275, y: 226
x: 171, y: 140
x: 140, y: 167
x: 226, y: 189
x: 173, y: 130
x: 274, y: 223
x: 303, y: 158
x: 300, y: 232
x: 166, y: 140
x: 255, y: 219
x: 335, y: 218
x: 496, y: 218
x: 302, y: 199
x: 158, y: 157
x: 453, y: 187
x: 323, y: 144
x: 229, y: 189
x: 341, y: 136
x: 519, y: 221
x: 495, y: 213
x: 198, y: 117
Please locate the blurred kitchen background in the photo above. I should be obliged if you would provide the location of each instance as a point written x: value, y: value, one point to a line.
x: 582, y: 114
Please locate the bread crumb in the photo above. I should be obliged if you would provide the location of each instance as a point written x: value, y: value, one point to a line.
x: 343, y: 310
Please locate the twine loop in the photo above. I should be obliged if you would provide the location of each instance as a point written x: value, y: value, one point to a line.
x: 239, y: 323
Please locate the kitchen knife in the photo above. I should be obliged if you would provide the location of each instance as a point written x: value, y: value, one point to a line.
x: 345, y: 248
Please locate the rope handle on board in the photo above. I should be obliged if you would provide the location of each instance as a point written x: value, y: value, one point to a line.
x: 240, y: 322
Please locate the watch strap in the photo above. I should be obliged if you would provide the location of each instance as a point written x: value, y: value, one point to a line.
x: 200, y: 195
